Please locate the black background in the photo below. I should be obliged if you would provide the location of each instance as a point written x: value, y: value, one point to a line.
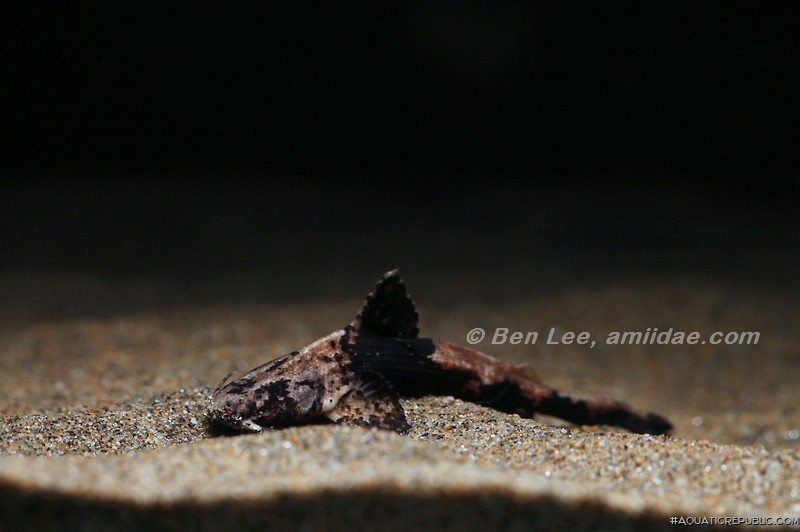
x: 334, y: 136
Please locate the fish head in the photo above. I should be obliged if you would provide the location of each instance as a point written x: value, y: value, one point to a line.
x: 268, y: 396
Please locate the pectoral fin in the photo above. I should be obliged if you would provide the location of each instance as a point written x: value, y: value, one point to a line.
x: 372, y: 403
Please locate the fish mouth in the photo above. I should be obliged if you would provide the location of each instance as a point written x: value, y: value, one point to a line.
x: 222, y: 417
x: 224, y: 422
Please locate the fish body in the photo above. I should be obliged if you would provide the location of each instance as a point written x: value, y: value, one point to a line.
x: 355, y: 376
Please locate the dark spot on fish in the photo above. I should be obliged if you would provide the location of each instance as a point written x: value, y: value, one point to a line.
x: 276, y: 389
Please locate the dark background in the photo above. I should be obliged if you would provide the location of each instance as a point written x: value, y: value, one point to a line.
x: 556, y: 139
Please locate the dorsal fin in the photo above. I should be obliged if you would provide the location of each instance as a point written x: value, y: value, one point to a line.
x: 388, y: 310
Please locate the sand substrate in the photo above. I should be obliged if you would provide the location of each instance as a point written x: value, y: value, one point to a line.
x: 103, y: 422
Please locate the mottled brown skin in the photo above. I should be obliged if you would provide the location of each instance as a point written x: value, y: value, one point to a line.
x: 354, y: 376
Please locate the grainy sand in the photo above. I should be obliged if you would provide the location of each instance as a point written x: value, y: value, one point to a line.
x: 103, y: 421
